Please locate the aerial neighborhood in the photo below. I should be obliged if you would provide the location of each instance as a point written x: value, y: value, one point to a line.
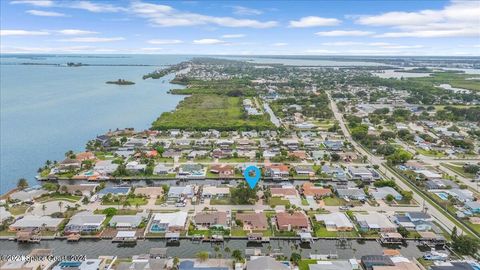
x: 358, y: 171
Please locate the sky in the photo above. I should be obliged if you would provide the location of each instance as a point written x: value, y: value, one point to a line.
x: 341, y: 27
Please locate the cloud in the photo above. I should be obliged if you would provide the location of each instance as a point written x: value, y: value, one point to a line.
x: 166, y: 16
x: 45, y: 13
x: 208, y: 41
x: 320, y: 51
x: 94, y: 7
x: 233, y: 36
x: 85, y: 5
x: 279, y: 44
x: 38, y: 3
x: 312, y: 21
x: 75, y: 32
x: 92, y: 39
x: 240, y: 10
x: 71, y: 49
x: 384, y: 45
x: 341, y: 33
x: 164, y: 41
x: 22, y: 33
x: 342, y: 43
x: 457, y: 19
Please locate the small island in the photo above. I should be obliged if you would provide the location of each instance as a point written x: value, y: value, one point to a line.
x: 120, y: 82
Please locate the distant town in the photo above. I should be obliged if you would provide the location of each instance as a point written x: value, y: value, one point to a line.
x: 374, y: 168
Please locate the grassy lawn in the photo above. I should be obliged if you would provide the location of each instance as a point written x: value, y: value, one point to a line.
x: 321, y: 231
x: 131, y: 201
x: 135, y: 201
x: 278, y: 201
x: 476, y: 227
x: 203, y: 112
x: 119, y: 211
x: 18, y: 209
x: 220, y: 201
x: 237, y: 231
x: 304, y: 201
x: 430, y: 153
x: 7, y: 233
x: 234, y: 160
x: 59, y: 197
x: 303, y: 264
x: 284, y: 233
x: 458, y: 169
x: 335, y: 201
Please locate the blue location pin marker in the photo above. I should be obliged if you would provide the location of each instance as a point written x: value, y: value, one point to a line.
x: 252, y: 180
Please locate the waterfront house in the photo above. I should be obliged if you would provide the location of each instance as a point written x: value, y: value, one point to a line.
x: 83, y: 156
x: 4, y: 214
x: 135, y: 166
x: 210, y: 264
x: 162, y: 169
x: 209, y: 219
x: 69, y: 164
x: 150, y: 192
x: 309, y: 190
x: 127, y: 222
x: 253, y: 221
x: 191, y: 171
x: 335, y: 221
x: 81, y: 189
x: 179, y: 192
x: 168, y: 222
x: 418, y: 221
x: 382, y: 192
x: 335, y: 265
x: 374, y: 221
x: 266, y: 263
x: 337, y: 173
x: 116, y: 191
x: 294, y: 221
x: 215, y: 192
x: 105, y: 167
x: 284, y: 192
x: 223, y: 170
x: 304, y: 170
x: 370, y: 262
x: 352, y: 193
x: 277, y: 171
x: 33, y: 222
x: 141, y: 263
x: 463, y: 195
x: 28, y: 194
x: 85, y: 222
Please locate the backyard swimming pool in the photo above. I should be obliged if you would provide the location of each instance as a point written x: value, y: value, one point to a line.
x: 442, y: 195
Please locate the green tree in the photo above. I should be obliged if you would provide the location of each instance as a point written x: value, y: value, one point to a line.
x: 389, y: 198
x: 295, y: 258
x: 110, y: 211
x: 22, y: 183
x: 50, y: 186
x: 202, y: 256
x: 237, y: 255
x: 403, y: 231
x: 465, y: 245
x: 243, y: 194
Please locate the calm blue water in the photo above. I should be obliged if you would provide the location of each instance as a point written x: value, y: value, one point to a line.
x: 48, y: 110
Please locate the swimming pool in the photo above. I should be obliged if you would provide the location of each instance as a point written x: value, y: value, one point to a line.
x: 442, y: 195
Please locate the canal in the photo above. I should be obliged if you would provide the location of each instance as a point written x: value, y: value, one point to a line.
x: 188, y: 249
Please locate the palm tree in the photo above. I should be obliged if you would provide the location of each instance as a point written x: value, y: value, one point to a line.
x: 22, y: 183
x: 60, y: 205
x: 176, y: 260
x: 44, y: 207
x: 202, y: 256
x: 126, y: 204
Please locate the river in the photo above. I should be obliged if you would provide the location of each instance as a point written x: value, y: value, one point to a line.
x: 47, y: 110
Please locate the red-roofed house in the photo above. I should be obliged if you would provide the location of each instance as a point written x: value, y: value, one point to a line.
x: 295, y: 221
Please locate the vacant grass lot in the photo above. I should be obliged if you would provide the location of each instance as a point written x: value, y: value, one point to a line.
x: 203, y: 112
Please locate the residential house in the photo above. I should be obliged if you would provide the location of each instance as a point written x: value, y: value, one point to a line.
x: 253, y: 221
x: 135, y: 166
x: 295, y: 221
x: 309, y: 190
x: 215, y: 192
x: 382, y: 192
x: 304, y: 170
x: 179, y: 192
x: 69, y: 164
x: 360, y: 173
x: 473, y: 206
x: 277, y: 171
x: 284, y: 192
x: 85, y: 222
x: 162, y: 169
x: 333, y: 145
x: 105, y: 167
x: 352, y: 193
x: 126, y: 222
x: 80, y: 189
x: 169, y: 222
x: 265, y: 263
x: 32, y: 222
x: 374, y: 221
x: 191, y: 171
x: 116, y: 191
x: 335, y: 221
x: 223, y: 171
x: 209, y: 219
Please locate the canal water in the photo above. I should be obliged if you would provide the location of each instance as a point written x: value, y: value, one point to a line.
x: 188, y: 249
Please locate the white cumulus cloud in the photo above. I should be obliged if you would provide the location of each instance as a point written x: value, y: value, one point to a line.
x: 164, y: 41
x: 312, y: 21
x: 208, y: 41
x: 5, y: 32
x: 341, y: 33
x: 45, y: 13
